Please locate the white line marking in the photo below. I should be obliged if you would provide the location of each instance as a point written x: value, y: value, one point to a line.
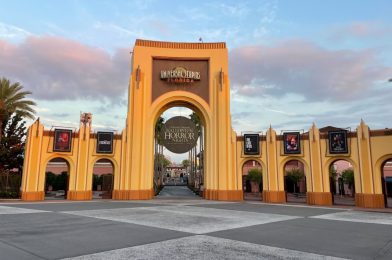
x: 196, y: 220
x: 203, y: 247
x: 12, y: 210
x: 357, y: 216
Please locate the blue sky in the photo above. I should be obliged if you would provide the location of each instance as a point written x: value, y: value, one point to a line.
x: 292, y: 63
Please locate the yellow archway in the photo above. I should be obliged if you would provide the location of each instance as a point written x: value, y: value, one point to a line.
x: 193, y: 102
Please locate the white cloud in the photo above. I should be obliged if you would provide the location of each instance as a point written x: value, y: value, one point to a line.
x: 54, y: 68
x: 306, y: 69
x: 13, y: 33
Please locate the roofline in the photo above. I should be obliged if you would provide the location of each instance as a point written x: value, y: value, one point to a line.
x: 180, y: 45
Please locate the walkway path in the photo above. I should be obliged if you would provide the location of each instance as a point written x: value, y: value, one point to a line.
x: 189, y: 228
x: 177, y: 192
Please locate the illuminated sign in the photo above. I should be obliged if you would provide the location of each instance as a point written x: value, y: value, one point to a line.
x: 180, y: 75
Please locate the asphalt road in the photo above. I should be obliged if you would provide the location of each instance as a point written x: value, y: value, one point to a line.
x: 179, y: 225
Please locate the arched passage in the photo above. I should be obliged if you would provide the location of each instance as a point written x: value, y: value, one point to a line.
x: 56, y: 179
x: 295, y: 181
x: 386, y: 179
x: 179, y: 168
x: 103, y: 178
x: 342, y: 184
x: 252, y: 180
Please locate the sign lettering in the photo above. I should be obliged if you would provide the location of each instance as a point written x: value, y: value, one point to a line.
x: 179, y: 134
x: 180, y: 75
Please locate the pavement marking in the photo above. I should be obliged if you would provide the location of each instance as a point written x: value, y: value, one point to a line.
x: 357, y: 216
x: 196, y: 220
x: 4, y: 210
x: 203, y: 247
x: 295, y: 205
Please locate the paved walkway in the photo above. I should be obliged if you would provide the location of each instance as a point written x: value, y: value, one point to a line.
x: 178, y: 192
x: 190, y: 228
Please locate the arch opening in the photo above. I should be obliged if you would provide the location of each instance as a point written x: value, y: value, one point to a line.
x: 295, y: 181
x: 342, y: 182
x: 386, y: 181
x: 179, y: 170
x: 252, y: 180
x: 57, y: 179
x: 103, y: 176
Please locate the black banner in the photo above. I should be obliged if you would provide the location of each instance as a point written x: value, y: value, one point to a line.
x: 338, y: 142
x: 62, y: 140
x: 104, y: 142
x: 251, y: 144
x: 292, y: 142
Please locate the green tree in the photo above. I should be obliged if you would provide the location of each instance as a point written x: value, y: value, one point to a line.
x: 333, y: 173
x: 185, y: 163
x: 196, y: 119
x: 12, y: 143
x: 255, y: 175
x: 162, y: 160
x: 348, y: 176
x: 13, y: 100
x: 295, y: 175
x: 158, y: 127
x: 61, y: 181
x: 50, y: 180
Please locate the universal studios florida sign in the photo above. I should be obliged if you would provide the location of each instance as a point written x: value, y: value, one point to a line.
x: 180, y: 75
x: 179, y: 134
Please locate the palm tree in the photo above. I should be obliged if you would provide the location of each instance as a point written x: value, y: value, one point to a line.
x: 158, y: 148
x: 12, y: 100
x: 194, y: 167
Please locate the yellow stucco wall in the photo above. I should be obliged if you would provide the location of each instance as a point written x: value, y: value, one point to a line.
x: 133, y: 152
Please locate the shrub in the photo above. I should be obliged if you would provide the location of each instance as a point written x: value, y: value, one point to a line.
x: 9, y: 194
x: 295, y: 175
x: 348, y: 176
x: 255, y: 175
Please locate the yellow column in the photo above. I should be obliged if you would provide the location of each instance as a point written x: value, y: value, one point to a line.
x: 275, y: 189
x: 31, y: 168
x: 320, y: 194
x: 81, y: 191
x: 367, y: 198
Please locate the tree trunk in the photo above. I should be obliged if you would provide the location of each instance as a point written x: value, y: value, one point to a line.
x: 1, y: 128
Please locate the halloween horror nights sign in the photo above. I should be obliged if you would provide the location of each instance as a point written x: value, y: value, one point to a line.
x: 179, y: 134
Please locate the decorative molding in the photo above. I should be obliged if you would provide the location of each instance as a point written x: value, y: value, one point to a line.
x: 180, y: 45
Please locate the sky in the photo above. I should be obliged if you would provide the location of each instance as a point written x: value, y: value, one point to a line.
x: 291, y: 63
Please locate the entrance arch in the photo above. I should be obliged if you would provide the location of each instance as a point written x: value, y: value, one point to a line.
x: 252, y: 179
x: 179, y: 164
x: 386, y: 181
x: 103, y: 179
x: 295, y: 180
x: 198, y: 106
x: 57, y: 179
x: 342, y: 182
